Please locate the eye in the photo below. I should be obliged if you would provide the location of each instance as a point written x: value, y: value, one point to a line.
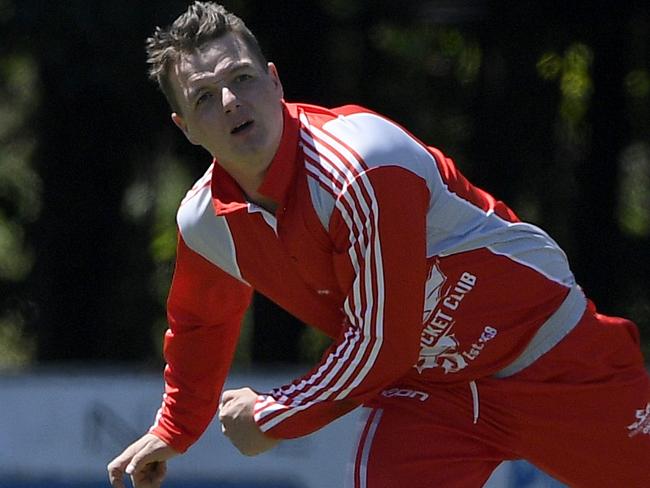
x: 204, y: 97
x: 242, y: 77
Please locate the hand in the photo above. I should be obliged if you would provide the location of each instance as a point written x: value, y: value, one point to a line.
x: 144, y: 460
x: 238, y: 424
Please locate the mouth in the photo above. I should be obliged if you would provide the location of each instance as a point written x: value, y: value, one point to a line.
x: 242, y: 127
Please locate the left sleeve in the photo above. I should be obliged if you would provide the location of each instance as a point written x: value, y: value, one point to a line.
x: 204, y: 310
x: 379, y: 224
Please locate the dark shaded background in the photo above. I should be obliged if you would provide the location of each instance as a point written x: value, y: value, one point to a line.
x: 544, y: 104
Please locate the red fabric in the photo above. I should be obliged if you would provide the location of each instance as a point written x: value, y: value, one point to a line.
x: 205, y: 309
x: 360, y: 277
x: 371, y: 353
x: 570, y: 414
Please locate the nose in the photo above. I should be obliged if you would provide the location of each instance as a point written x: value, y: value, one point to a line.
x: 229, y: 100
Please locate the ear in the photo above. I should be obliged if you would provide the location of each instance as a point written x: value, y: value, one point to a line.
x: 180, y: 123
x: 273, y: 73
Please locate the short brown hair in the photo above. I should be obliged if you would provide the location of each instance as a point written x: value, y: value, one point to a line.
x: 201, y: 22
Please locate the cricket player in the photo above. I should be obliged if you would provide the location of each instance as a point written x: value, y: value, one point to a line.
x: 458, y: 328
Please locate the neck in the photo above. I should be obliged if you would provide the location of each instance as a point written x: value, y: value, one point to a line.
x: 261, y: 200
x: 250, y: 184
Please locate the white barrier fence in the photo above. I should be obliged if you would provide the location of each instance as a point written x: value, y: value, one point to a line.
x: 60, y: 430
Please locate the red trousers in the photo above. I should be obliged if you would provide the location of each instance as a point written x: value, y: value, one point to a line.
x: 581, y: 413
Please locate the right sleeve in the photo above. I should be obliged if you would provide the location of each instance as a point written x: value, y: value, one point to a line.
x: 204, y: 310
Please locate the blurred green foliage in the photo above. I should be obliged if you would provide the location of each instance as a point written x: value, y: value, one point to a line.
x: 20, y: 185
x: 634, y: 208
x: 16, y: 347
x: 20, y: 197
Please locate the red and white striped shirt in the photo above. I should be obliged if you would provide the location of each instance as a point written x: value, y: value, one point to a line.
x: 379, y: 242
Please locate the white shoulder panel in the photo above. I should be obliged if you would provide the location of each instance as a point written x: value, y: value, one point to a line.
x: 380, y: 142
x: 454, y: 224
x: 206, y: 233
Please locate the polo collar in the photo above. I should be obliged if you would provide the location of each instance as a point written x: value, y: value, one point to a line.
x: 228, y: 197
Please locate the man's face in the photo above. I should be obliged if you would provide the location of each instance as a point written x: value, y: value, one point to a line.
x: 230, y: 104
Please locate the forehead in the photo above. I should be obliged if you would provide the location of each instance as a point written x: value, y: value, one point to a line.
x: 213, y: 58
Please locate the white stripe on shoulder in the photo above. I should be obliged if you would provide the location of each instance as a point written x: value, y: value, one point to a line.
x: 206, y: 233
x: 374, y: 140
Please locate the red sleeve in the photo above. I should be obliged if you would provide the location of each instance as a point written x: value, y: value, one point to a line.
x: 381, y: 219
x: 204, y: 310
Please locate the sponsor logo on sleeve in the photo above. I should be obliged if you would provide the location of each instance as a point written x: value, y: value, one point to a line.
x: 405, y: 393
x: 642, y: 423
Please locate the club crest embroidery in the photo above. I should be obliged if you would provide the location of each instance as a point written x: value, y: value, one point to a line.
x: 642, y: 424
x: 439, y: 347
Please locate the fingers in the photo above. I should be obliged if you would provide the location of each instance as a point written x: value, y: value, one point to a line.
x: 143, y: 473
x: 150, y: 476
x: 238, y: 422
x: 160, y: 472
x: 144, y: 461
x: 140, y: 461
x: 116, y: 469
x: 237, y: 406
x: 227, y: 396
x: 240, y: 395
x: 116, y: 479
